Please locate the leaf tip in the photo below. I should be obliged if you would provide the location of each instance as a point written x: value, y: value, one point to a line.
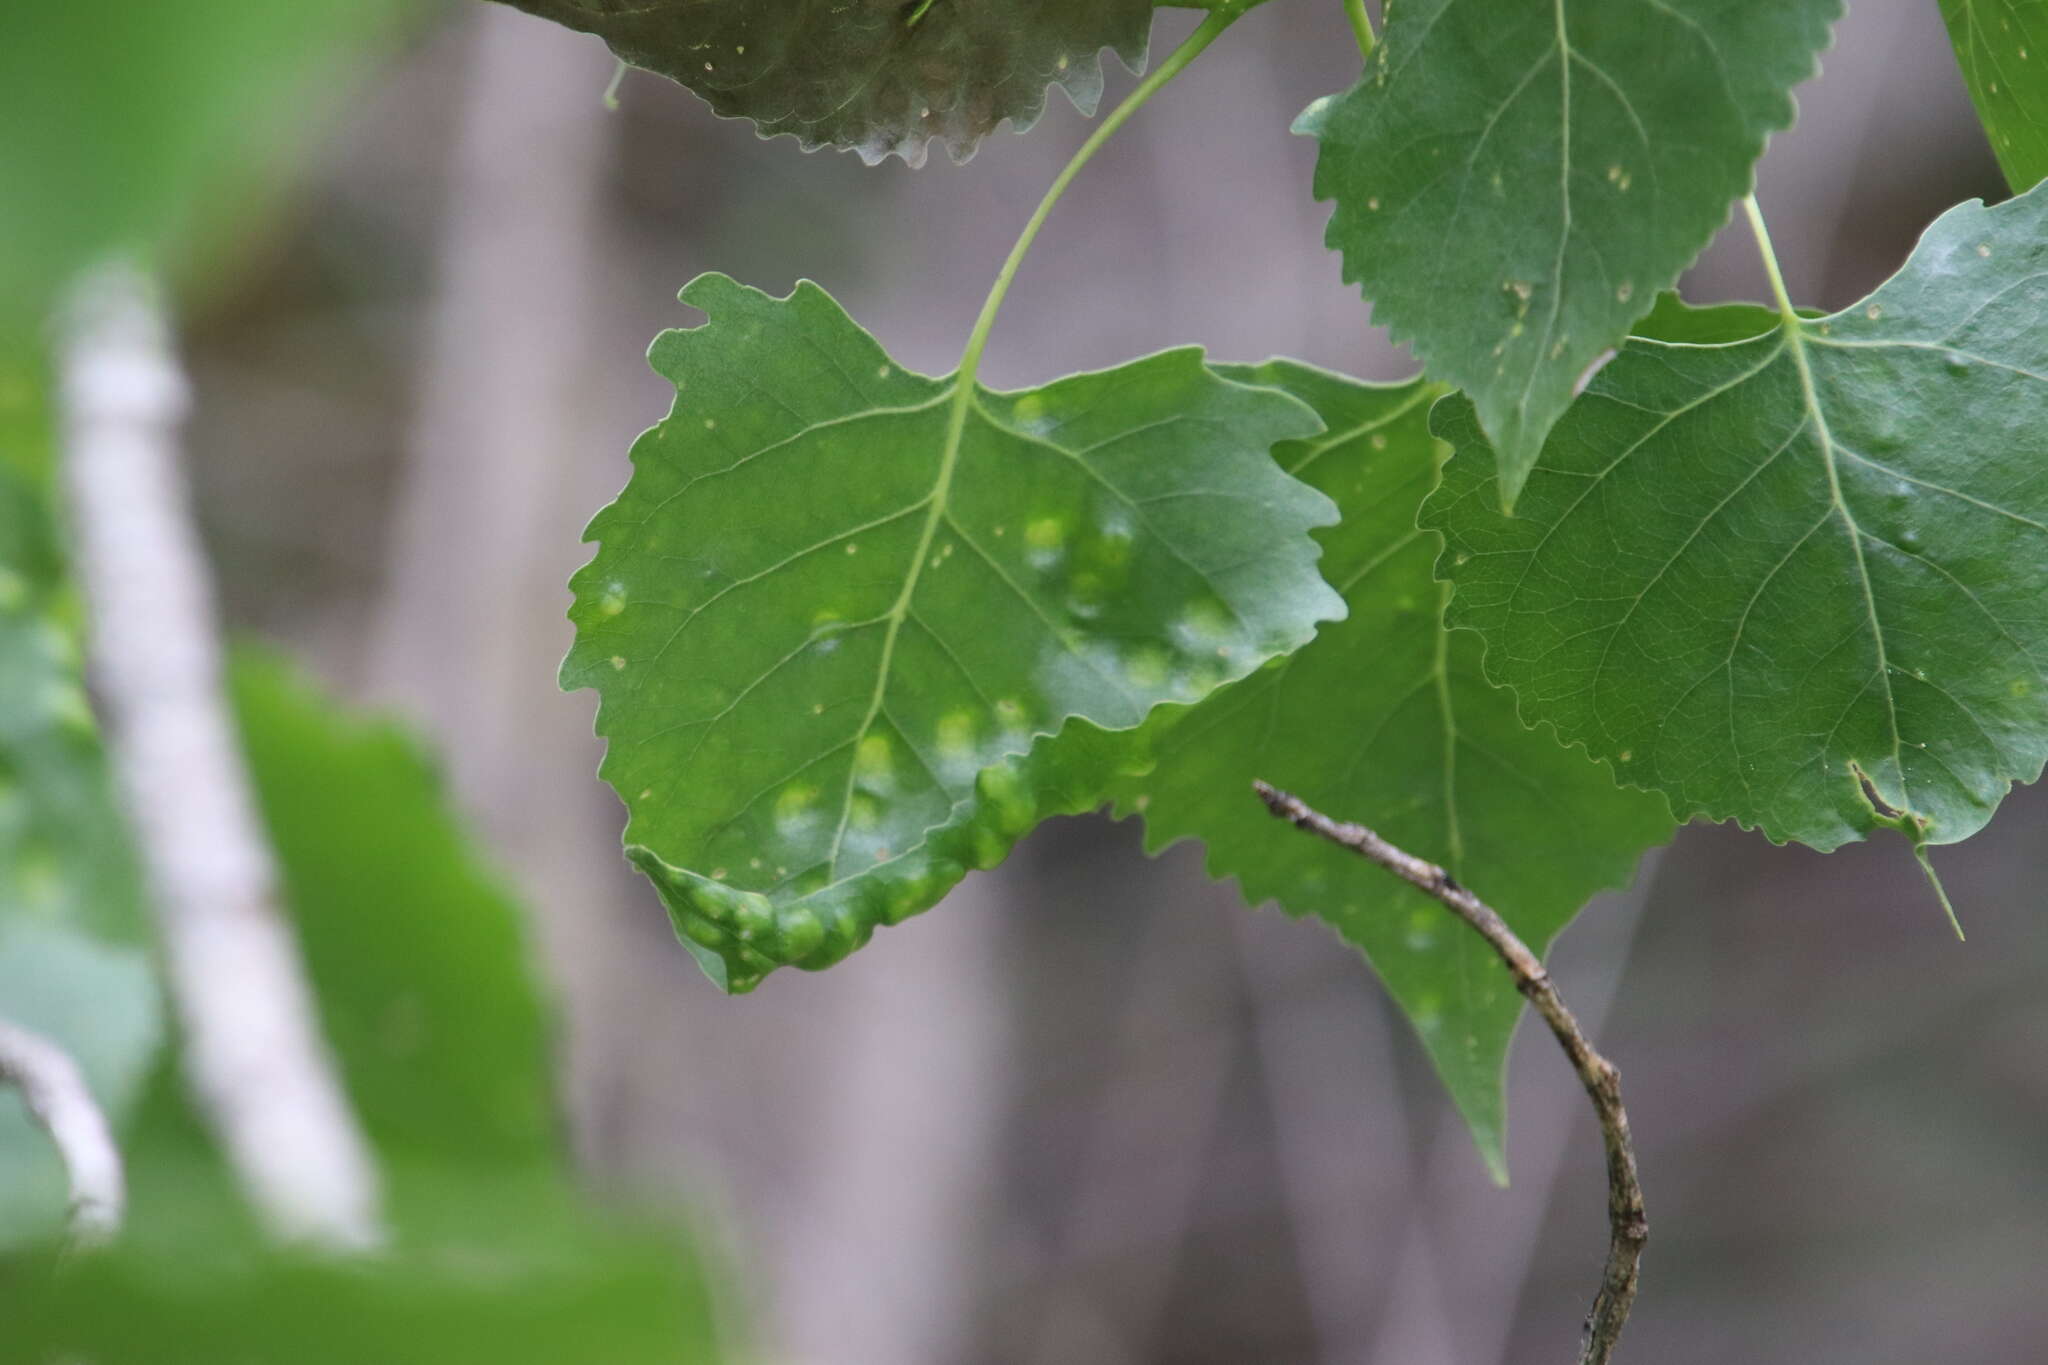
x: 1311, y: 121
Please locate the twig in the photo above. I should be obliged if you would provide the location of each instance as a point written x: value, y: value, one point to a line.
x: 58, y: 1099
x: 1628, y: 1225
x: 260, y: 1072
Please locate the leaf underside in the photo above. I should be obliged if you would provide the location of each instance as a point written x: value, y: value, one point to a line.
x: 2002, y: 46
x: 866, y: 75
x: 1799, y: 581
x: 1385, y: 718
x: 1514, y: 183
x: 837, y: 597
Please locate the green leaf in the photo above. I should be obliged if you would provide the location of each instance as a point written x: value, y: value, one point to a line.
x: 1671, y: 318
x: 880, y: 78
x: 835, y: 592
x: 1514, y: 182
x: 1385, y: 718
x: 415, y: 950
x: 74, y: 952
x: 133, y: 124
x: 1779, y: 578
x: 1999, y: 45
x: 419, y: 962
x: 534, y: 1287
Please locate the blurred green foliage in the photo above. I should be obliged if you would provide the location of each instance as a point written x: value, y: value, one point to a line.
x: 427, y: 997
x: 74, y: 955
x: 135, y: 125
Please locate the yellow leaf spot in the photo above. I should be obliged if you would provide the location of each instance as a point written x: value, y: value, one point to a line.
x: 1045, y: 533
x: 956, y: 734
x: 874, y: 760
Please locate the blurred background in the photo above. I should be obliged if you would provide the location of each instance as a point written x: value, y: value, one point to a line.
x: 1091, y: 1111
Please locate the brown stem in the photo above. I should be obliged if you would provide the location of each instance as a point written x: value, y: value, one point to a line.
x: 1628, y: 1226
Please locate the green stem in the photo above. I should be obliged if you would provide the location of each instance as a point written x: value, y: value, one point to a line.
x: 1361, y: 24
x: 977, y: 341
x: 1763, y: 246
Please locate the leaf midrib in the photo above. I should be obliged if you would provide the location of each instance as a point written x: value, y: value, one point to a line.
x: 935, y: 511
x: 1794, y: 330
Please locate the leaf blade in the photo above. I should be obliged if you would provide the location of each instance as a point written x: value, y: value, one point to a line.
x: 851, y: 593
x: 1821, y: 555
x: 1994, y: 41
x: 1594, y: 169
x: 1384, y: 717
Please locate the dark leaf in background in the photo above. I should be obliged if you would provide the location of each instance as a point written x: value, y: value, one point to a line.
x: 881, y: 77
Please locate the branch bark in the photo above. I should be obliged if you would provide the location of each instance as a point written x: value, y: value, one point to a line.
x: 1628, y: 1225
x: 58, y: 1099
x: 259, y: 1071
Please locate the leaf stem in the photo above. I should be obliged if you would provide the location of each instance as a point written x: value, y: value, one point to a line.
x: 1770, y: 257
x: 1628, y: 1225
x: 977, y: 341
x: 1361, y: 24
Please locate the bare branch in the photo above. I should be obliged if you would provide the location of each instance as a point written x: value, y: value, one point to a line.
x: 260, y: 1072
x: 1628, y: 1225
x: 58, y: 1099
